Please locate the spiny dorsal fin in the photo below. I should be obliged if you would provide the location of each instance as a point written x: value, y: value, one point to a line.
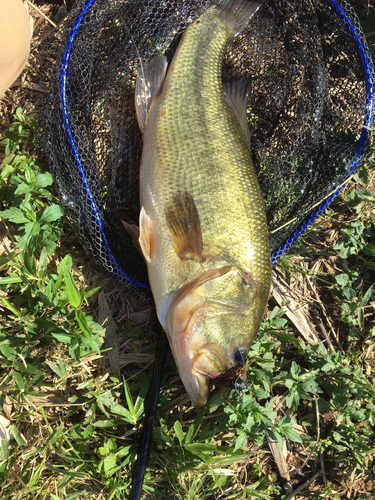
x: 183, y: 221
x: 150, y: 76
x: 236, y: 94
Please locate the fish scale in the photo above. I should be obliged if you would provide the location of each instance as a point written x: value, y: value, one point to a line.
x: 198, y: 163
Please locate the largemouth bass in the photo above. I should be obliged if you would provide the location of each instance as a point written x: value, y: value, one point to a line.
x: 203, y: 229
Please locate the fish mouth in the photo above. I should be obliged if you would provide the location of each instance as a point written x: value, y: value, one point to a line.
x: 196, y: 359
x: 196, y: 370
x: 209, y: 367
x: 205, y: 363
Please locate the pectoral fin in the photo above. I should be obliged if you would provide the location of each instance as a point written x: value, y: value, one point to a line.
x: 150, y: 77
x: 184, y: 225
x: 146, y: 237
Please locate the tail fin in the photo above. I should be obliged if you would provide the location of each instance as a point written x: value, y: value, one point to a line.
x: 239, y: 12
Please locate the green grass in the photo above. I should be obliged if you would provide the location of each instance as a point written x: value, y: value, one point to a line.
x: 83, y: 442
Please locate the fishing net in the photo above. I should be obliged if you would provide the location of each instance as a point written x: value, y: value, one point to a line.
x: 309, y: 111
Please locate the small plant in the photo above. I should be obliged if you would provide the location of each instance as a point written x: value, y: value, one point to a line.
x: 359, y: 235
x: 351, y: 299
x: 19, y: 134
x: 23, y: 190
x: 42, y: 310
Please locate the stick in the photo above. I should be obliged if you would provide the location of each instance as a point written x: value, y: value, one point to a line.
x: 303, y: 486
x: 317, y: 420
x: 323, y: 468
x: 41, y: 13
x: 111, y: 336
x: 321, y: 456
x: 314, y: 206
x: 317, y: 435
x: 278, y: 456
x: 323, y: 330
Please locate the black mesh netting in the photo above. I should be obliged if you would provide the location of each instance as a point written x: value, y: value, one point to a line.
x: 310, y: 104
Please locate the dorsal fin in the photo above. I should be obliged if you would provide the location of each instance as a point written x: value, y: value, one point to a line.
x: 236, y: 93
x: 183, y: 221
x: 150, y: 77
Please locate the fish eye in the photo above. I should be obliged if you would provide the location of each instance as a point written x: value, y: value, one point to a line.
x: 240, y: 354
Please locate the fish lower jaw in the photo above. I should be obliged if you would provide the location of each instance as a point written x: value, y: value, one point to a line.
x: 206, y: 363
x: 195, y: 365
x: 195, y: 383
x: 199, y: 397
x: 194, y: 372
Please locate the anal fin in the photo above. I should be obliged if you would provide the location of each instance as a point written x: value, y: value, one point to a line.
x: 184, y: 225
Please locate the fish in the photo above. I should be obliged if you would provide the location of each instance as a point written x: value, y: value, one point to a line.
x: 202, y: 227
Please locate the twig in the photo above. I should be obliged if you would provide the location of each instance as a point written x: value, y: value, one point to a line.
x: 111, y: 336
x: 303, y: 486
x: 280, y: 461
x: 321, y: 456
x: 317, y: 437
x: 323, y: 470
x: 23, y: 484
x: 323, y: 330
x: 317, y: 420
x: 41, y: 13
